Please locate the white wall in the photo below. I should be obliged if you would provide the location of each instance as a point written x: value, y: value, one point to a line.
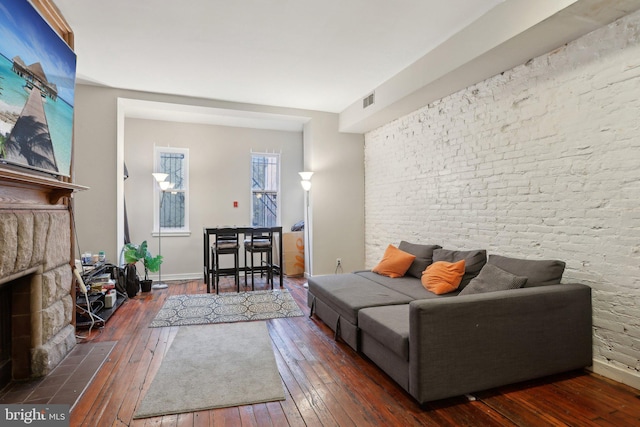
x: 220, y: 173
x: 539, y: 162
x: 95, y: 149
x: 335, y: 197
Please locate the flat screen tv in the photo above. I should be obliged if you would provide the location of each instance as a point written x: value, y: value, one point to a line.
x: 37, y: 85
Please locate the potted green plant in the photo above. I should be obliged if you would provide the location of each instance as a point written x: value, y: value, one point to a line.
x: 134, y: 253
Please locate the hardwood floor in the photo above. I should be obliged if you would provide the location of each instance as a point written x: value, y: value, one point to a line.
x: 328, y: 384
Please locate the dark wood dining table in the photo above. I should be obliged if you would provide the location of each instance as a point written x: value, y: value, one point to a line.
x: 212, y: 231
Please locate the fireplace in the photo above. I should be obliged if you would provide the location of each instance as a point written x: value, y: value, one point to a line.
x: 36, y: 293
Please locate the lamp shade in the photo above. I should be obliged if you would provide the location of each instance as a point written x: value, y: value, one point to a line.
x: 165, y: 185
x: 306, y: 180
x: 160, y: 176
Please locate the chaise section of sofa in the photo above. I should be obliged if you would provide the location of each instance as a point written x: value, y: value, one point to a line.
x: 337, y: 299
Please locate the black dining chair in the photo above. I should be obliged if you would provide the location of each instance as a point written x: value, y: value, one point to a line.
x: 226, y: 243
x: 259, y: 241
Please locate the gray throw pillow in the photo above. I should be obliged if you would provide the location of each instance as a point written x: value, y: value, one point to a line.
x: 491, y: 279
x: 423, y: 254
x: 538, y: 272
x: 473, y: 262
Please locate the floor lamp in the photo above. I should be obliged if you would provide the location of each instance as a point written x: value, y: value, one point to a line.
x: 164, y: 186
x: 306, y: 185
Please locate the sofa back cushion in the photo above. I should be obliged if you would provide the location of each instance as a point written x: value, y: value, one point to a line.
x: 537, y: 272
x: 394, y: 262
x: 473, y: 261
x: 423, y: 254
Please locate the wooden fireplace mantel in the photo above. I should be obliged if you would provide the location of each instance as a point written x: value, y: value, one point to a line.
x: 20, y: 190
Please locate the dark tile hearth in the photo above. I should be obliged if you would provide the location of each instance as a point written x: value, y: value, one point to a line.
x: 65, y: 384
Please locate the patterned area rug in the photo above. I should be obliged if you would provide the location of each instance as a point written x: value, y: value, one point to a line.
x: 200, y: 309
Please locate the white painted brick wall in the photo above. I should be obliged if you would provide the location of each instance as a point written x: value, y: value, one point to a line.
x: 540, y: 162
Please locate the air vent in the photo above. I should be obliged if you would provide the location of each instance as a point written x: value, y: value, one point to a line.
x: 368, y: 100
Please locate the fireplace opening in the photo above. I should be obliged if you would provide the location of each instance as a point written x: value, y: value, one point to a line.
x: 5, y: 336
x: 15, y: 330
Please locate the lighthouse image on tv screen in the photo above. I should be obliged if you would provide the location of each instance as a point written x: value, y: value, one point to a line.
x: 37, y: 84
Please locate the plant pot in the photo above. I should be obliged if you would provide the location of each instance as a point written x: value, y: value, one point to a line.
x: 132, y: 281
x: 145, y: 285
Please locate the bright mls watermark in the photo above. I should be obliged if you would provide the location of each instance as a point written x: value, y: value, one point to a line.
x: 35, y: 415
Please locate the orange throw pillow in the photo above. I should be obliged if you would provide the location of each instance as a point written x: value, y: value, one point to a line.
x: 443, y: 277
x: 394, y: 262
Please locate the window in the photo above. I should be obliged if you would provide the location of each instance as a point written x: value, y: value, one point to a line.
x: 172, y: 205
x: 265, y: 190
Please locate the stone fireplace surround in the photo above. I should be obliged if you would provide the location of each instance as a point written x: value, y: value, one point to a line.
x: 35, y: 255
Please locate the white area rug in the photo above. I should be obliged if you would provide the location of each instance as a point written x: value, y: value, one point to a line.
x: 214, y: 366
x: 198, y: 309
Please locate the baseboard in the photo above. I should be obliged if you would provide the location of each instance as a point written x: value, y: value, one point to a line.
x: 184, y: 276
x: 191, y: 276
x: 617, y: 374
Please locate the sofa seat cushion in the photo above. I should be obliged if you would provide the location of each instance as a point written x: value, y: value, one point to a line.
x: 389, y: 325
x: 409, y: 286
x: 348, y: 293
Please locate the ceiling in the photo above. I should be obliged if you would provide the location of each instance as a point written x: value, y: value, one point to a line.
x: 322, y: 55
x: 309, y: 54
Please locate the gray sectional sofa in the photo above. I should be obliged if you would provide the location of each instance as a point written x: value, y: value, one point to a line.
x: 439, y: 346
